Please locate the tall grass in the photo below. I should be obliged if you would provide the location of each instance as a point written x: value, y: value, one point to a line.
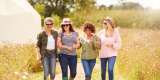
x: 139, y: 57
x: 137, y: 60
x: 125, y: 18
x: 16, y: 58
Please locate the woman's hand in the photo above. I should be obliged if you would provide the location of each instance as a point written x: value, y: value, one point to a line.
x: 67, y: 47
x: 74, y: 46
x: 109, y: 45
x: 38, y: 53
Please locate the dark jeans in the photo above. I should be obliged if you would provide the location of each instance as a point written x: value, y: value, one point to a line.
x: 65, y: 61
x: 111, y: 62
x: 49, y: 65
x: 88, y: 66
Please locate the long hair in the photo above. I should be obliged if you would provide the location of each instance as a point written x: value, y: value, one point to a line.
x: 111, y: 21
x: 70, y: 28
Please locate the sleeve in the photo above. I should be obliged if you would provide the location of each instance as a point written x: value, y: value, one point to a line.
x: 39, y: 40
x: 56, y: 34
x: 76, y: 33
x: 97, y: 42
x: 60, y: 34
x: 117, y: 42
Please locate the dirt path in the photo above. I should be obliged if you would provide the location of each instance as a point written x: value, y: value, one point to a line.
x: 80, y: 73
x: 79, y: 76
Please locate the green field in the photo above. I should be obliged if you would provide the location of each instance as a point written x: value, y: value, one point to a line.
x: 138, y: 58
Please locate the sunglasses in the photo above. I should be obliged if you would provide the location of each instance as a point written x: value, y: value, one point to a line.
x: 65, y: 25
x: 50, y: 24
x: 105, y: 23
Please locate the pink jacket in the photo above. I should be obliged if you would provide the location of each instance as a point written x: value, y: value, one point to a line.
x: 115, y: 40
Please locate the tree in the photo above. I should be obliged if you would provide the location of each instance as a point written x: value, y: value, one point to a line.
x: 131, y: 5
x: 58, y: 7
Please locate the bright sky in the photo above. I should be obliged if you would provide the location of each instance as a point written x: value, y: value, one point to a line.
x: 154, y: 4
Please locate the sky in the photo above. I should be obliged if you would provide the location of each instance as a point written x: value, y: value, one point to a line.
x: 154, y: 4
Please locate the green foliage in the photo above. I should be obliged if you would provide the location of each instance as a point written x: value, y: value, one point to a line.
x: 40, y: 9
x: 125, y: 18
x: 57, y: 21
x: 16, y: 58
x: 58, y: 7
x: 138, y: 59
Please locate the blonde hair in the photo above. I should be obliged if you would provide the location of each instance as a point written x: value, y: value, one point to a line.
x: 48, y: 19
x: 111, y: 21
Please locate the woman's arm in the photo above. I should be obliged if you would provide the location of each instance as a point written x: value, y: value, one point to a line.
x: 77, y: 45
x: 97, y: 42
x: 117, y: 42
x: 59, y: 43
x: 61, y: 46
x: 38, y: 46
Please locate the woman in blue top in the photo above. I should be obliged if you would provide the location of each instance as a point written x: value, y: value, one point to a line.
x: 68, y: 42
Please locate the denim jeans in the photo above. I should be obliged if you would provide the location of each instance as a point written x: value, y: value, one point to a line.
x: 88, y: 66
x: 111, y: 62
x: 65, y: 61
x: 49, y: 65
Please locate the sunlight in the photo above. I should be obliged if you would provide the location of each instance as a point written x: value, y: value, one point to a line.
x: 154, y: 4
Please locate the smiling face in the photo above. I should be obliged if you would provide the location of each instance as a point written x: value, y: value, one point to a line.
x: 104, y: 24
x: 49, y: 24
x: 66, y: 27
x: 88, y: 32
x: 89, y: 29
x: 107, y: 24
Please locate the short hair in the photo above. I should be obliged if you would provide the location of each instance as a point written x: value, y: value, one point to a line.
x: 89, y: 26
x: 48, y: 19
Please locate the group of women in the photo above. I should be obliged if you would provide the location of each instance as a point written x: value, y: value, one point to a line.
x: 104, y: 44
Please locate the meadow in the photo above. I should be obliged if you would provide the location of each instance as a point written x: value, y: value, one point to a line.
x: 138, y: 59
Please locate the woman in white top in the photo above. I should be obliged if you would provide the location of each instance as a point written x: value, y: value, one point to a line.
x: 46, y: 44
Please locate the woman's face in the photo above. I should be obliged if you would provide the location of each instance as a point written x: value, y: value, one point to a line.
x: 66, y: 27
x: 107, y: 25
x: 88, y: 32
x: 49, y: 24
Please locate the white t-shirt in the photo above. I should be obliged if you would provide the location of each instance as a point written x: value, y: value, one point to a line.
x: 50, y: 43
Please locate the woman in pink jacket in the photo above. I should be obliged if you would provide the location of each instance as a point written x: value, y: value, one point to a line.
x: 110, y: 43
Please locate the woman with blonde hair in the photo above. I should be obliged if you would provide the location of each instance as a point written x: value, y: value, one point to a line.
x: 110, y: 44
x: 47, y: 45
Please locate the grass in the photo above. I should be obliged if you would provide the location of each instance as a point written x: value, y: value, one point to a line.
x: 138, y: 58
x: 141, y: 19
x: 15, y: 58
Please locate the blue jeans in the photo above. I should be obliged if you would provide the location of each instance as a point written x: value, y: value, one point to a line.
x: 88, y: 66
x: 111, y: 62
x: 49, y: 65
x: 65, y: 61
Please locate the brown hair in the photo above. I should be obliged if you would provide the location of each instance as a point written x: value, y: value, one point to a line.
x: 89, y: 26
x: 70, y: 28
